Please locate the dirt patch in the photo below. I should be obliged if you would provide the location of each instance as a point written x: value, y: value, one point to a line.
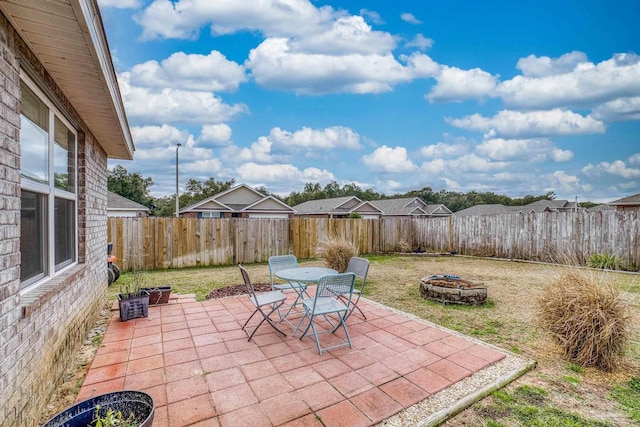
x: 232, y: 291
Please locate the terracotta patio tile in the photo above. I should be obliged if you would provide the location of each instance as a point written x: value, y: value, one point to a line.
x: 356, y: 359
x: 266, y: 339
x: 176, y: 334
x: 228, y: 326
x: 377, y: 373
x: 361, y: 328
x: 179, y: 344
x: 183, y: 370
x: 159, y: 395
x: 175, y: 318
x: 288, y: 362
x: 145, y: 351
x: 145, y: 364
x: 428, y: 380
x: 401, y: 364
x: 331, y: 368
x: 320, y: 395
x: 217, y: 363
x: 189, y: 411
x: 146, y: 340
x: 380, y: 336
x: 376, y: 405
x: 398, y: 330
x: 124, y: 334
x: 145, y: 379
x: 153, y: 319
x: 468, y: 361
x: 232, y: 334
x: 240, y: 344
x: 363, y: 342
x: 187, y: 388
x: 404, y: 392
x: 210, y: 350
x: 343, y: 414
x: 399, y: 345
x: 302, y: 377
x: 435, y: 333
x: 380, y: 352
x: 415, y: 325
x: 419, y: 338
x: 160, y: 417
x: 109, y: 358
x: 449, y: 370
x: 440, y: 349
x: 180, y: 356
x: 285, y: 407
x: 381, y: 323
x: 200, y: 314
x: 270, y: 386
x: 398, y: 318
x: 232, y: 398
x: 107, y: 386
x: 168, y: 327
x: 254, y: 371
x: 209, y: 422
x: 106, y: 373
x: 307, y: 421
x: 223, y: 379
x: 252, y: 415
x: 275, y: 350
x: 350, y: 384
x: 143, y: 332
x: 114, y: 347
x: 457, y: 342
x: 486, y: 353
x: 422, y: 356
x: 245, y: 357
x: 202, y: 330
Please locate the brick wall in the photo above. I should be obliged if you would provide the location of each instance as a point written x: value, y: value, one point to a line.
x: 40, y: 331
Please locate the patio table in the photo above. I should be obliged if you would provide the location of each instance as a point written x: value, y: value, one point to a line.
x: 302, y: 275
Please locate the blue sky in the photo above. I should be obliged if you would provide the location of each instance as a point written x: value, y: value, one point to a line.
x: 517, y: 98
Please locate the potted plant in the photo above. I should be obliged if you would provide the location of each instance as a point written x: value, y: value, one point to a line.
x: 126, y: 408
x: 133, y: 300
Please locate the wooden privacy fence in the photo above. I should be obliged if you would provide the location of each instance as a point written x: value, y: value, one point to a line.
x: 160, y: 243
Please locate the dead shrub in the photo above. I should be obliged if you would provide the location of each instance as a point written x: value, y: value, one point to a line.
x: 336, y: 252
x: 403, y: 246
x: 588, y: 318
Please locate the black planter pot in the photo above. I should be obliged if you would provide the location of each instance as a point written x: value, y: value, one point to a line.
x: 133, y: 305
x: 158, y: 295
x: 128, y: 402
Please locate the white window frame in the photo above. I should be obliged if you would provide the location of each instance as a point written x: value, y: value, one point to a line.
x: 50, y: 191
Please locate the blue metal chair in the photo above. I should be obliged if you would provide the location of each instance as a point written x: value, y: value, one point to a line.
x: 271, y: 300
x: 327, y: 302
x: 281, y: 262
x: 359, y: 267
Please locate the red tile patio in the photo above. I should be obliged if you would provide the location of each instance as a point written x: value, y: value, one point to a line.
x: 196, y: 362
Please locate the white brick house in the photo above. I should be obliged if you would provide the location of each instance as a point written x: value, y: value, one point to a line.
x: 61, y: 117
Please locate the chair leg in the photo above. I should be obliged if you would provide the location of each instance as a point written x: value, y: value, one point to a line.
x: 264, y: 317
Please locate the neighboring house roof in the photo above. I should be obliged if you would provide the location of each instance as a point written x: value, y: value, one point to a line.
x: 341, y: 206
x: 632, y: 200
x: 494, y: 209
x: 409, y: 206
x: 240, y: 198
x: 69, y: 39
x: 599, y: 208
x: 116, y: 202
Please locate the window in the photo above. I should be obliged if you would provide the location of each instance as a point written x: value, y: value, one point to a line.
x: 210, y: 214
x: 48, y: 165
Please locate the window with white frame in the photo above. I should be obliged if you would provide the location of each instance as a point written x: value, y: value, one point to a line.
x: 48, y: 169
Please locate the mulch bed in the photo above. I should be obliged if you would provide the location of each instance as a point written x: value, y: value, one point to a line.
x: 231, y: 291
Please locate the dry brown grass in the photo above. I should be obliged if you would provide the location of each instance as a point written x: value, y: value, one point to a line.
x: 336, y: 252
x: 588, y: 319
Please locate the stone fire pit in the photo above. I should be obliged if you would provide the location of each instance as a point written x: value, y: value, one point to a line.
x: 448, y: 289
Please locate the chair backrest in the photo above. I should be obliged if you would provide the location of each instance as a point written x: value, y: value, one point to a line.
x: 335, y: 285
x: 280, y: 262
x: 247, y: 281
x: 359, y: 267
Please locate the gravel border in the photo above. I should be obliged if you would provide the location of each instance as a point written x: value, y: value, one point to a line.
x: 443, y: 405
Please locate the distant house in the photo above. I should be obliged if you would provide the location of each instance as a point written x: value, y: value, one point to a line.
x: 551, y: 206
x: 539, y: 206
x: 630, y: 203
x: 410, y: 207
x: 118, y: 206
x: 240, y: 201
x: 600, y: 208
x: 494, y: 209
x: 337, y: 207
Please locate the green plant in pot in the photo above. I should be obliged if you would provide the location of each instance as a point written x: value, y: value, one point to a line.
x: 133, y: 300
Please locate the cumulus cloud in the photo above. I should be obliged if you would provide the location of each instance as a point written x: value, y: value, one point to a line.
x: 154, y: 136
x: 562, y: 181
x: 618, y: 110
x: 508, y: 123
x: 337, y: 137
x: 558, y: 155
x: 275, y: 66
x: 256, y: 173
x: 218, y: 135
x: 616, y: 168
x: 120, y: 4
x: 456, y: 85
x: 585, y: 85
x: 372, y: 16
x: 175, y: 105
x: 421, y: 42
x: 212, y: 72
x: 515, y: 149
x: 410, y: 18
x: 387, y: 159
x: 442, y: 149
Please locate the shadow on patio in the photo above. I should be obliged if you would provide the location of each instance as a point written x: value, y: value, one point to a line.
x: 200, y: 369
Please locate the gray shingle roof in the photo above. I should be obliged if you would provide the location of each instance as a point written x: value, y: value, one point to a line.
x: 117, y: 202
x: 630, y: 200
x: 324, y: 206
x: 485, y: 210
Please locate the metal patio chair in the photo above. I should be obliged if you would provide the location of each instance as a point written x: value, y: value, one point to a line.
x: 265, y: 300
x: 326, y: 303
x: 359, y: 267
x: 281, y: 262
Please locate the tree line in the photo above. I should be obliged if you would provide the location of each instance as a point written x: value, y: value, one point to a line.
x: 137, y: 188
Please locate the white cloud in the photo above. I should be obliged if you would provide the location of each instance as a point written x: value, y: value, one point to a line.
x: 216, y: 135
x: 212, y: 72
x: 587, y: 85
x: 184, y: 18
x: 274, y: 65
x: 509, y: 123
x: 469, y: 163
x: 331, y: 138
x: 386, y: 159
x: 515, y: 149
x: 174, y: 105
x: 204, y: 168
x: 256, y: 173
x: 621, y: 109
x: 616, y: 168
x: 408, y: 17
x: 562, y: 181
x: 120, y: 4
x: 442, y: 149
x: 421, y: 42
x: 372, y: 16
x: 434, y: 167
x: 455, y: 85
x: 543, y: 66
x: 154, y: 136
x: 558, y: 155
x: 635, y: 159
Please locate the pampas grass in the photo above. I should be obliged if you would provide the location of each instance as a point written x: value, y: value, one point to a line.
x: 336, y: 252
x: 587, y: 317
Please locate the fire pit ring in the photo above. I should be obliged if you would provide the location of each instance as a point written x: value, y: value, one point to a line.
x: 450, y: 289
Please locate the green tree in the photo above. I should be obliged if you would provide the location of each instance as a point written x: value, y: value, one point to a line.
x: 130, y: 185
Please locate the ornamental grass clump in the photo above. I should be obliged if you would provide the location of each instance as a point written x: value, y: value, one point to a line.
x: 588, y: 318
x: 336, y: 252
